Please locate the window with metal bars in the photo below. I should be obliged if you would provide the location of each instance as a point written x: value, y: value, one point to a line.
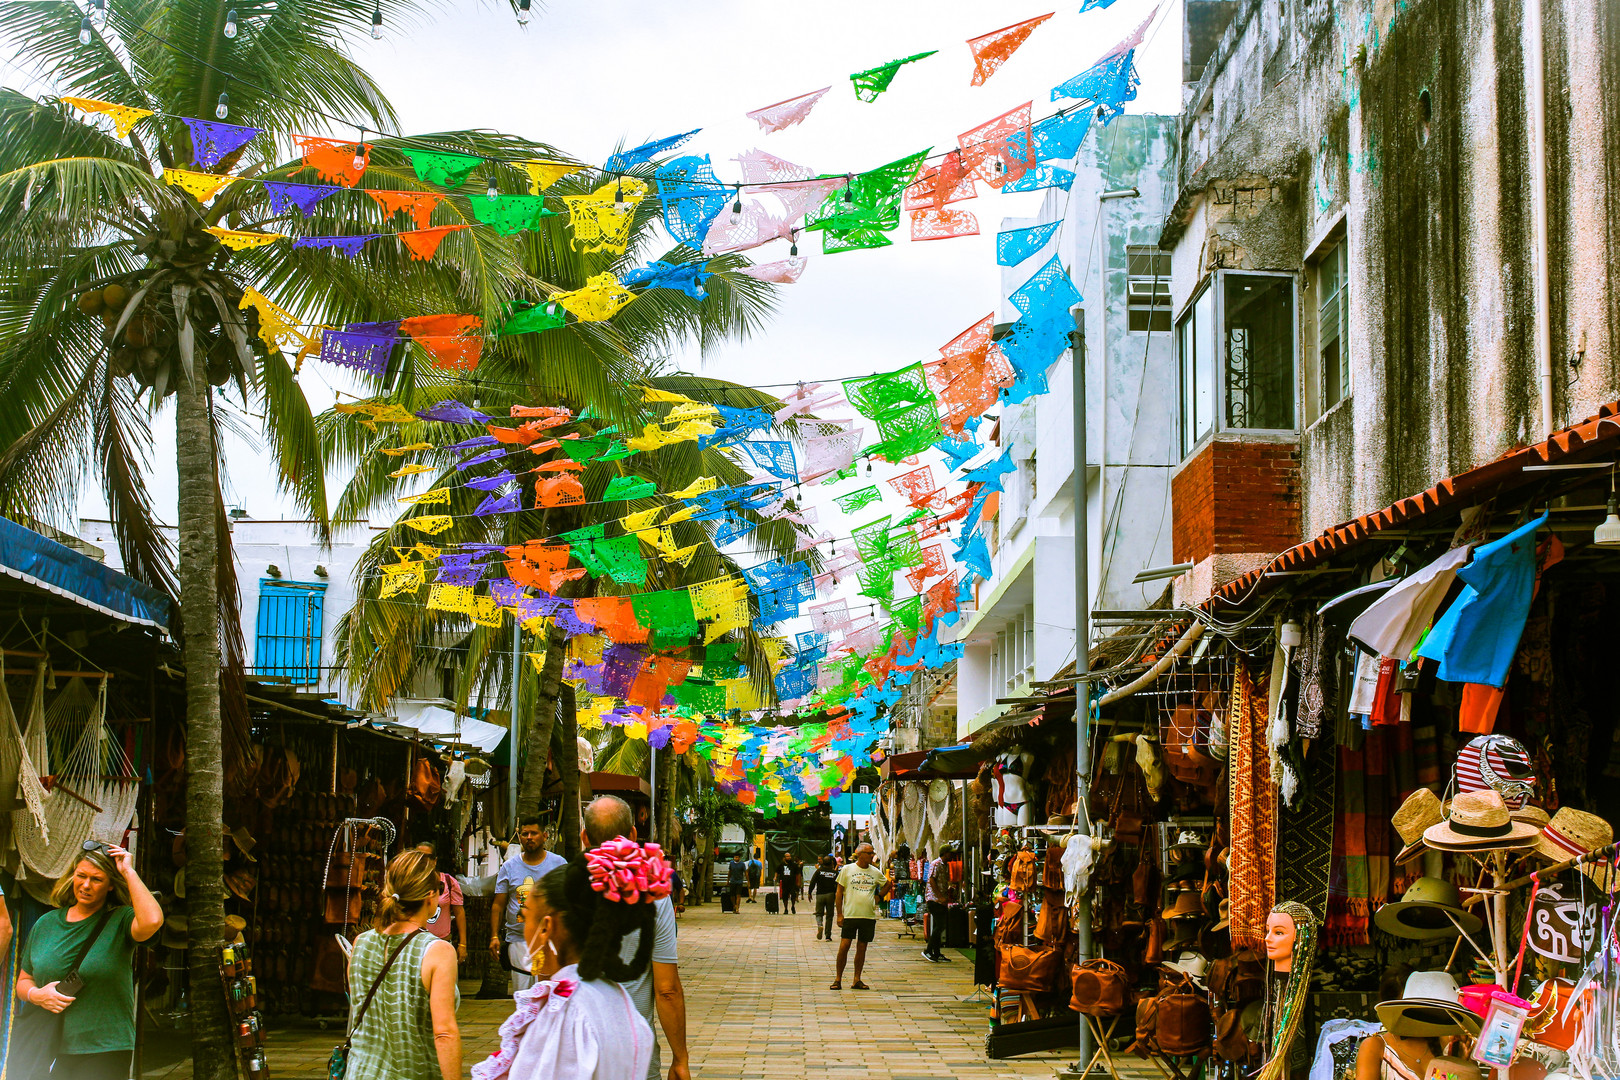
x: 287, y: 631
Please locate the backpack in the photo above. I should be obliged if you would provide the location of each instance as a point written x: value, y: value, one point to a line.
x: 1183, y: 1023
x: 1238, y: 979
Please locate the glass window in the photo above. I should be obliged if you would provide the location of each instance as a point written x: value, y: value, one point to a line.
x: 1333, y: 326
x: 1259, y: 346
x: 1195, y: 343
x: 1147, y: 290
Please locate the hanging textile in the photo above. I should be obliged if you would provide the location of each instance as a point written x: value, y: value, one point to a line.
x: 301, y: 197
x: 992, y: 50
x: 424, y: 243
x: 200, y: 186
x: 74, y: 722
x: 442, y: 168
x: 418, y: 204
x: 542, y: 174
x: 873, y: 81
x: 601, y: 221
x: 333, y: 160
x: 124, y: 117
x: 213, y: 142
x: 238, y: 240
x: 1253, y: 798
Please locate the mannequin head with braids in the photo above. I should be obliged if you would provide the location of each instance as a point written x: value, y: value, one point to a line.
x: 570, y: 921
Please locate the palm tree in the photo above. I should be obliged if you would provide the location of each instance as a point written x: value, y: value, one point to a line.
x: 112, y: 290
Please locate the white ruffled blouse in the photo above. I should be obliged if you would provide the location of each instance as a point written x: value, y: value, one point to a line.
x: 565, y: 1029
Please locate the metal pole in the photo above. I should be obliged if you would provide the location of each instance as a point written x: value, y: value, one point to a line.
x: 1082, y: 650
x: 512, y: 732
x: 652, y: 792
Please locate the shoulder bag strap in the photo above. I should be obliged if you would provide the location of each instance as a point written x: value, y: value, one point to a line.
x: 360, y: 1014
x: 84, y: 951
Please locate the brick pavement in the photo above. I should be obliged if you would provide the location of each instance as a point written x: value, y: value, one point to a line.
x: 758, y: 1007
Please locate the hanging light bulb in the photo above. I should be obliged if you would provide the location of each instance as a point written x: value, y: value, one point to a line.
x: 492, y: 191
x: 230, y: 23
x: 1608, y: 533
x: 849, y: 192
x: 223, y: 109
x: 360, y: 152
x: 98, y: 13
x: 618, y: 198
x: 86, y: 31
x: 736, y: 207
x: 793, y: 250
x: 376, y: 22
x: 523, y: 12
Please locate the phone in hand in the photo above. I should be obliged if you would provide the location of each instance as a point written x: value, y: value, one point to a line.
x: 70, y: 984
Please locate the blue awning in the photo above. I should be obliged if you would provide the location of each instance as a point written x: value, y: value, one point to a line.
x: 56, y: 568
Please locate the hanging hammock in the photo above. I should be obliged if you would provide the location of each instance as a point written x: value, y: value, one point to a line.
x: 944, y: 815
x: 120, y: 788
x: 64, y: 742
x: 878, y: 831
x: 19, y: 777
x: 914, y: 816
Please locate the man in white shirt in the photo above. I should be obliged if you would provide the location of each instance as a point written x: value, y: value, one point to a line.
x: 860, y: 885
x: 517, y: 876
x: 660, y: 986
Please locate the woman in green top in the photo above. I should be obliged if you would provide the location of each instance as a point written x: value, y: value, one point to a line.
x: 409, y: 1030
x: 98, y: 1023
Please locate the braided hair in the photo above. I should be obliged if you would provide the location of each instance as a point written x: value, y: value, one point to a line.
x: 597, y: 925
x: 1291, y: 1011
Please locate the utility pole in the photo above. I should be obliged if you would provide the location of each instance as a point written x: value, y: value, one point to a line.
x: 1082, y: 655
x: 512, y: 731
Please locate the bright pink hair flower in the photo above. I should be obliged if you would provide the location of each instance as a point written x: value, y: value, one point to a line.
x: 627, y: 872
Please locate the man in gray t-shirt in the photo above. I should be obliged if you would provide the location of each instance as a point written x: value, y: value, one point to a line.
x: 659, y: 988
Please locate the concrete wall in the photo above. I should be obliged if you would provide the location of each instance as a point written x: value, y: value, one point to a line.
x: 1406, y: 125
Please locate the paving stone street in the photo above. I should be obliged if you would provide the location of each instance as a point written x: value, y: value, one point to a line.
x: 758, y: 1007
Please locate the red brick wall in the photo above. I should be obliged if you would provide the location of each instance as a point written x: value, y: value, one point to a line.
x: 1236, y: 497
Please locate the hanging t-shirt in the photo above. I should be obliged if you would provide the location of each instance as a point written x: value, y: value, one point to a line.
x: 861, y: 884
x: 1475, y: 639
x: 1393, y: 624
x: 102, y: 1017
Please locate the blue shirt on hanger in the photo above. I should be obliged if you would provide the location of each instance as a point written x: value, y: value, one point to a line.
x: 1474, y: 641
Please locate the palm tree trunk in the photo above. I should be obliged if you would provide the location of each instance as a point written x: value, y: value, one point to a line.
x: 664, y: 822
x: 195, y: 456
x: 570, y: 773
x: 537, y: 744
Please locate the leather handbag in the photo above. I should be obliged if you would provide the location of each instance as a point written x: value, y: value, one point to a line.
x: 1232, y: 1042
x: 343, y: 906
x: 1100, y: 988
x: 426, y: 787
x: 1184, y: 1025
x: 1029, y: 971
x: 347, y: 871
x: 1052, y: 925
x: 1022, y: 877
x: 1147, y: 1021
x: 1238, y: 978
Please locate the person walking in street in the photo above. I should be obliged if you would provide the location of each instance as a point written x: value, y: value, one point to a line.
x: 737, y: 882
x: 79, y: 964
x: 787, y: 885
x: 578, y: 1022
x: 402, y: 983
x: 859, y: 886
x: 756, y: 876
x: 451, y: 914
x: 824, y: 888
x: 608, y: 818
x: 517, y: 876
x: 938, y: 893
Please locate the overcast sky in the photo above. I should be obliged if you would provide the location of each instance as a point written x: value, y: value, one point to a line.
x: 587, y: 76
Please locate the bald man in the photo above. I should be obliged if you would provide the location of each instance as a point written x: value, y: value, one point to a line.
x: 606, y: 817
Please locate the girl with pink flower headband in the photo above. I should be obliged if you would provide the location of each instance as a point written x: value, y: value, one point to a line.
x: 578, y: 1022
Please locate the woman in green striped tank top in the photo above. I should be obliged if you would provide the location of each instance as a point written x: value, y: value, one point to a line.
x: 409, y: 1031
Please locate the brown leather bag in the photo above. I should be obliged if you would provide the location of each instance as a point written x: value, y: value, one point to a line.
x: 1232, y: 1042
x: 426, y: 789
x: 1009, y: 926
x: 343, y: 906
x: 1029, y: 971
x: 1238, y: 978
x: 1153, y: 947
x: 1022, y: 876
x: 1184, y: 1025
x: 1147, y: 1022
x: 1100, y: 988
x: 346, y: 871
x: 1052, y: 925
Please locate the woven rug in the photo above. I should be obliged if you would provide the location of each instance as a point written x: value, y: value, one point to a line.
x: 1253, y: 809
x: 1363, y: 838
x: 1305, y: 833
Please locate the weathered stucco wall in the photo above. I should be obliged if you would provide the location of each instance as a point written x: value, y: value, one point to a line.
x: 1405, y: 125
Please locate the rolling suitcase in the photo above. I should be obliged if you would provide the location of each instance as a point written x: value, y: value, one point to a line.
x: 956, y: 927
x: 771, y: 902
x: 728, y: 902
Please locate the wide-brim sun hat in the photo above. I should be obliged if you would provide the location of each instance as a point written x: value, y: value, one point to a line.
x: 1188, y: 904
x: 1425, y: 911
x: 1429, y: 1006
x: 1574, y: 832
x: 1189, y: 963
x: 1479, y: 821
x: 1420, y: 810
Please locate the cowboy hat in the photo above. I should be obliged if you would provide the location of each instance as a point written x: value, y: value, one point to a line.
x: 1189, y: 840
x: 244, y: 842
x: 1574, y: 832
x: 1188, y: 904
x: 176, y: 932
x: 1225, y: 921
x: 1430, y: 1005
x: 1420, y: 810
x: 1425, y: 911
x: 1188, y: 963
x: 1531, y: 813
x: 1479, y: 821
x: 241, y: 883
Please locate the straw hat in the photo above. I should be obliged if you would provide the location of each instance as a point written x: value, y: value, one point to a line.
x: 1532, y: 815
x: 1430, y: 1005
x: 244, y: 842
x: 1188, y: 904
x: 1479, y: 821
x: 1422, y: 912
x: 1420, y: 810
x: 1574, y: 832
